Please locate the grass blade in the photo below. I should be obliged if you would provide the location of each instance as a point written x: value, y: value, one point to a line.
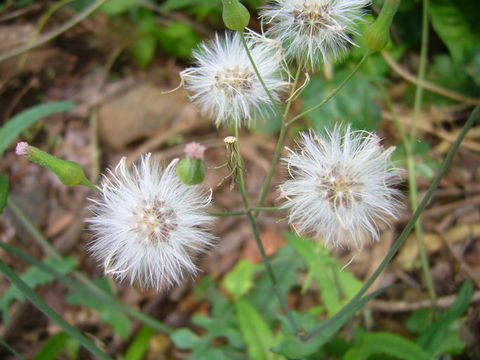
x: 27, y: 118
x: 52, y: 314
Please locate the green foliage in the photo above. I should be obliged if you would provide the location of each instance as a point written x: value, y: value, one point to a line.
x: 354, y: 103
x: 34, y: 278
x: 56, y: 345
x: 116, y: 7
x: 239, y: 280
x: 432, y: 337
x: 140, y: 344
x: 119, y: 322
x: 27, y: 118
x: 177, y: 39
x: 255, y: 330
x: 453, y: 28
x: 337, y: 286
x: 425, y: 165
x: 387, y: 344
x: 3, y: 191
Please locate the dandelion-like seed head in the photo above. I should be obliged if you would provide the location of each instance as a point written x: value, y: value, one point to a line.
x: 342, y: 185
x: 314, y: 29
x: 223, y: 82
x: 148, y: 226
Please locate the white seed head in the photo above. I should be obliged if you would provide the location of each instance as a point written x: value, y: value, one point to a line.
x: 314, y: 30
x: 342, y: 186
x: 223, y: 82
x: 148, y: 226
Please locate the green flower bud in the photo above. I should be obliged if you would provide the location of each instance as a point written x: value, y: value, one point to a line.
x: 191, y: 171
x: 70, y: 173
x: 235, y: 15
x: 377, y: 34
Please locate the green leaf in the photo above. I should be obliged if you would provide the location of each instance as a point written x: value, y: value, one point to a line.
x: 115, y: 7
x: 293, y: 347
x: 255, y: 331
x: 354, y: 102
x: 337, y: 285
x: 185, y: 338
x: 53, y: 347
x: 119, y: 322
x: 144, y: 49
x: 383, y: 343
x: 34, y: 278
x: 452, y: 27
x: 418, y: 321
x: 4, y: 185
x: 177, y: 39
x: 239, y: 280
x: 433, y: 336
x: 27, y: 118
x: 140, y: 344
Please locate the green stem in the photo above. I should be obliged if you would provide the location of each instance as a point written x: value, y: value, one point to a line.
x: 256, y: 233
x: 280, y: 142
x: 227, y: 213
x: 48, y: 311
x: 410, y: 225
x: 97, y: 291
x: 255, y: 68
x: 412, y: 180
x: 333, y: 93
x: 11, y: 349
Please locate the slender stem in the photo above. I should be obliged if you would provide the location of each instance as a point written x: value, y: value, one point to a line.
x: 11, y: 349
x: 255, y: 68
x: 51, y: 251
x: 243, y: 212
x: 412, y: 180
x: 227, y: 213
x: 240, y: 179
x: 280, y: 142
x: 333, y: 93
x: 54, y: 33
x: 410, y: 225
x: 48, y: 311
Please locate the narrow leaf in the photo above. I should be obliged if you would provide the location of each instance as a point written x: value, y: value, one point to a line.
x: 52, y: 348
x: 52, y: 314
x: 139, y: 345
x: 383, y: 343
x: 27, y: 118
x: 3, y: 191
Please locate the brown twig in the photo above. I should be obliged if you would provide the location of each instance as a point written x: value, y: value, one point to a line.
x: 407, y: 306
x: 426, y: 84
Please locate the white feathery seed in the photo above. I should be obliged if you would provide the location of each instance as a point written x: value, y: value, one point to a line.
x: 342, y: 186
x: 314, y: 30
x: 148, y: 225
x: 223, y: 82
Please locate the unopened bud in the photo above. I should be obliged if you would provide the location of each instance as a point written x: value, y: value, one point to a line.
x: 191, y: 170
x: 377, y: 35
x: 70, y: 173
x: 235, y: 15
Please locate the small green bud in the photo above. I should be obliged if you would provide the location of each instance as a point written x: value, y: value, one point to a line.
x: 235, y: 15
x: 191, y: 171
x: 70, y: 173
x: 377, y: 34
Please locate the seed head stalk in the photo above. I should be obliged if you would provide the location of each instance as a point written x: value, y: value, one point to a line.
x: 240, y: 180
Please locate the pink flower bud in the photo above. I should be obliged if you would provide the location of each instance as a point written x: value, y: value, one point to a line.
x: 195, y: 150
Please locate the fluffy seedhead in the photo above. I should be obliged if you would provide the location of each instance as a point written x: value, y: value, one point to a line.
x: 148, y: 226
x: 342, y: 186
x: 223, y: 83
x: 314, y: 30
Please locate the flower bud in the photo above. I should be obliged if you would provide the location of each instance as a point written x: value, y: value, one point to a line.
x: 191, y: 170
x: 235, y: 15
x: 70, y: 173
x: 377, y: 34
